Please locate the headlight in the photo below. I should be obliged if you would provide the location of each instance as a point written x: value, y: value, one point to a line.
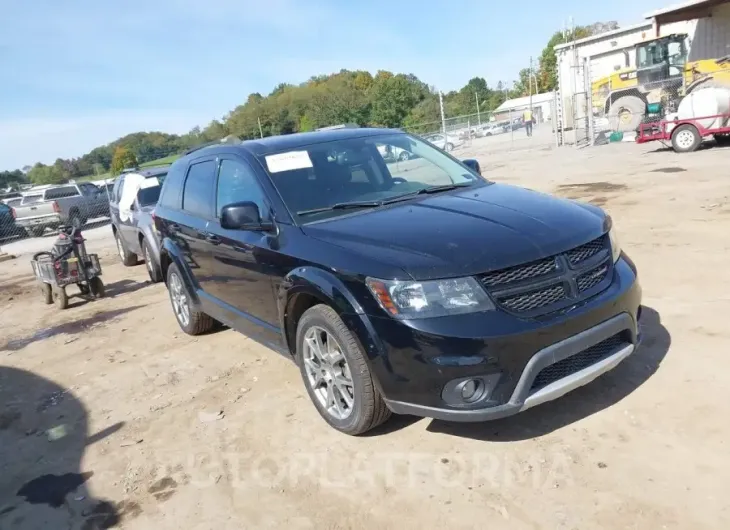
x: 436, y: 298
x: 615, y: 245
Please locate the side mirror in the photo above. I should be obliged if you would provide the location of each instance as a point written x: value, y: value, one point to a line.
x: 243, y: 216
x: 473, y: 164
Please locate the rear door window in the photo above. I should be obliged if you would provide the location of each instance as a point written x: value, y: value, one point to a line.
x: 61, y: 193
x: 30, y: 199
x: 198, y: 198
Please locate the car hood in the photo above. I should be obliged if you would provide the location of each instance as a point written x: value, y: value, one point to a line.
x: 470, y: 232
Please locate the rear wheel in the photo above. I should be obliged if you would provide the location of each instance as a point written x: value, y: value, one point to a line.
x: 403, y: 156
x: 153, y: 268
x: 449, y: 147
x: 336, y: 374
x: 191, y: 321
x: 626, y: 113
x: 128, y: 258
x: 686, y: 138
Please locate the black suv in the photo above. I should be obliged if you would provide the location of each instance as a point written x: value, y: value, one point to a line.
x: 413, y: 286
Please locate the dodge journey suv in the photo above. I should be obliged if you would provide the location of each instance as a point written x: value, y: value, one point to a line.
x: 411, y: 285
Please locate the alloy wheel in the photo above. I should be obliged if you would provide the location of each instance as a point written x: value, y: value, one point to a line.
x: 328, y: 373
x: 179, y: 297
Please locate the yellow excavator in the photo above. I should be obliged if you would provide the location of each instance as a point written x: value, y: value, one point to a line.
x: 662, y: 76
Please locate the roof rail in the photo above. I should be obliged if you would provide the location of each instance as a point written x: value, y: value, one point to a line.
x: 341, y: 126
x: 229, y: 140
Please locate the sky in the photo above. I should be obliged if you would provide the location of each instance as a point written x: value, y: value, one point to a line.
x: 76, y: 74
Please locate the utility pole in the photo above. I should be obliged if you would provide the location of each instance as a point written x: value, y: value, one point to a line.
x: 443, y: 119
x: 479, y: 117
x: 529, y: 83
x: 260, y: 131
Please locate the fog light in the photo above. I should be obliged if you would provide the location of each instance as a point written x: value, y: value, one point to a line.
x: 469, y: 389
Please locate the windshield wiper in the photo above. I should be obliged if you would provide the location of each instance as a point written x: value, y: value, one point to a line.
x: 342, y: 206
x: 429, y: 190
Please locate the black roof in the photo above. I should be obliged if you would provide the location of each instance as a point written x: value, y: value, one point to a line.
x: 289, y: 142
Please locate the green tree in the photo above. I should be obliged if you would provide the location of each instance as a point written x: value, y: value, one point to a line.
x: 122, y: 159
x: 393, y: 97
x: 43, y: 174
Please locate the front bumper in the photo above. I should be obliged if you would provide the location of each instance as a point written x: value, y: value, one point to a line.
x: 417, y: 360
x: 523, y: 397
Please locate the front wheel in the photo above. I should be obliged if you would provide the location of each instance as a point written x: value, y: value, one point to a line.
x: 60, y: 298
x: 626, y: 113
x: 47, y: 293
x: 686, y: 138
x: 336, y: 374
x: 449, y: 147
x: 403, y: 156
x: 96, y: 286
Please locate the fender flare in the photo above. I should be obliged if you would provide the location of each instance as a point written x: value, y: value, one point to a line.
x: 169, y: 253
x: 325, y: 286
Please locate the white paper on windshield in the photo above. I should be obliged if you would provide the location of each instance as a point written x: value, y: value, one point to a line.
x: 288, y: 161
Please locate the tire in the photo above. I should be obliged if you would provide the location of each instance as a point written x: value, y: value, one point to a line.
x: 366, y: 409
x: 626, y: 113
x: 686, y: 138
x: 96, y: 286
x: 60, y: 298
x: 153, y: 268
x: 449, y: 147
x: 128, y: 258
x: 403, y: 156
x: 191, y: 321
x: 46, y: 293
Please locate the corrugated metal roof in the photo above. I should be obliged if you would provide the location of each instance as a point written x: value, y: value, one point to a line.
x: 606, y: 35
x: 685, y: 6
x: 537, y: 99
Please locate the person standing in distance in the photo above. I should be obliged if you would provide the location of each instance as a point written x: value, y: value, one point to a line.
x: 527, y: 120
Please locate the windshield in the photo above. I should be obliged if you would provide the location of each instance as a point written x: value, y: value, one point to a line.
x: 369, y: 169
x: 148, y: 196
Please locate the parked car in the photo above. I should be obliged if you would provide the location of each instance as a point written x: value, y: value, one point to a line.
x: 12, y: 201
x: 8, y: 226
x: 447, y: 143
x: 430, y: 291
x: 53, y: 206
x: 492, y: 129
x: 132, y: 205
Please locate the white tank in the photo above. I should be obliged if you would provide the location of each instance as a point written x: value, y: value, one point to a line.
x: 706, y: 102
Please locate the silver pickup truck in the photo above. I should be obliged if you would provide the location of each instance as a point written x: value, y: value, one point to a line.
x: 68, y: 204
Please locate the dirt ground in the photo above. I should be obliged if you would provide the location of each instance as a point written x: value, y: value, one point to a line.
x: 110, y: 415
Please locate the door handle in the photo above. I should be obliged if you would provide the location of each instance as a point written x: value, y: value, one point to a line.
x: 213, y: 239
